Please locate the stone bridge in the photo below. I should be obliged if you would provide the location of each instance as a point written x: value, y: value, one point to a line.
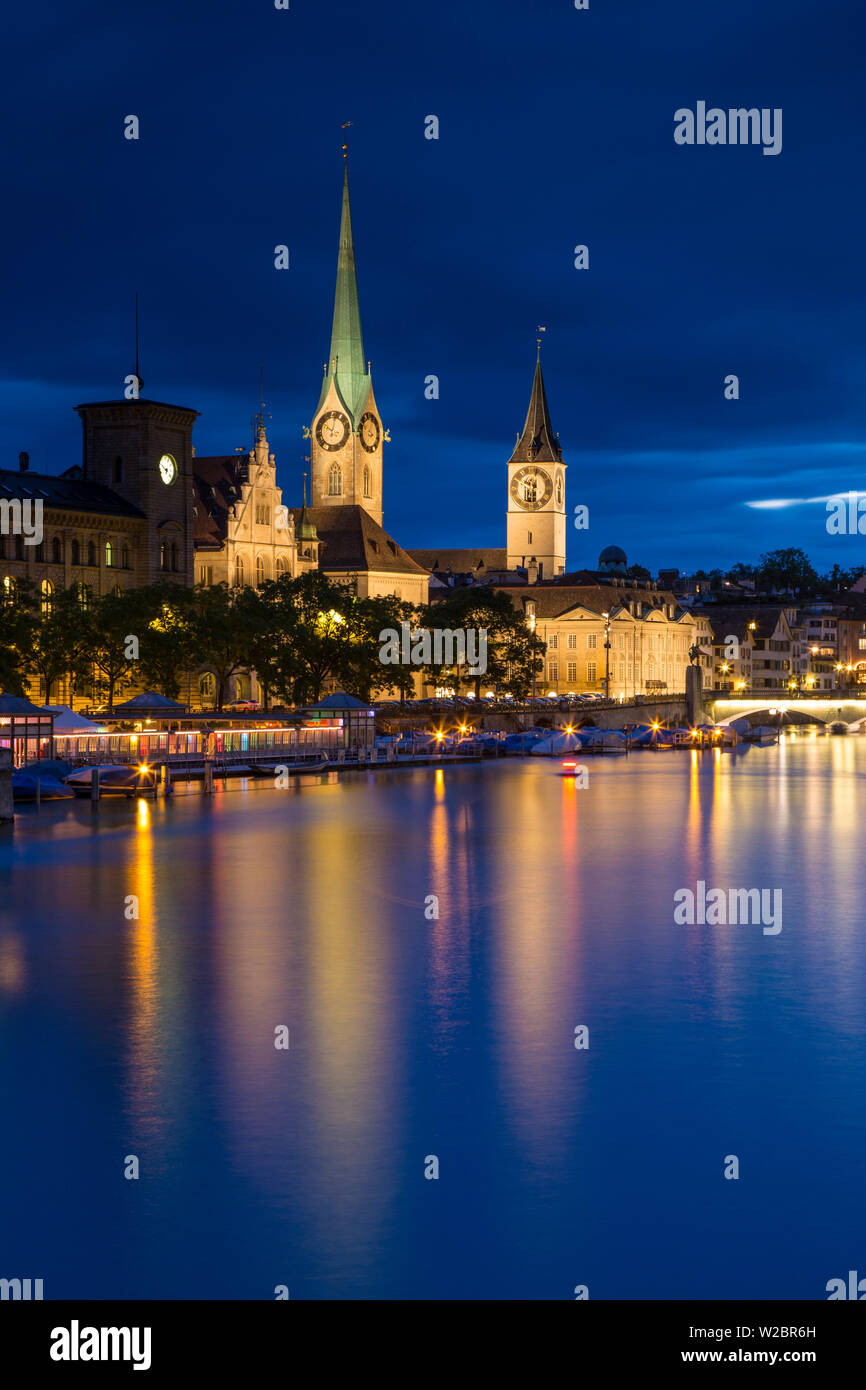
x: 828, y: 709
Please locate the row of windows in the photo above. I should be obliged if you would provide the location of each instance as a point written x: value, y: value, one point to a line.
x: 282, y: 567
x: 617, y: 641
x: 116, y: 556
x: 335, y: 481
x: 9, y: 589
x: 592, y: 670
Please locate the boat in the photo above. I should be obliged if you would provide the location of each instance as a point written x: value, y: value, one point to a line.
x: 271, y: 769
x: 50, y: 787
x: 114, y: 780
x: 762, y: 733
x: 838, y: 726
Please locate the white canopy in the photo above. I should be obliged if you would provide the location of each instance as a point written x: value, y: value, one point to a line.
x: 66, y: 721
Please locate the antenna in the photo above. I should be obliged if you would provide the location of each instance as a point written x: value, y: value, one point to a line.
x: 137, y: 344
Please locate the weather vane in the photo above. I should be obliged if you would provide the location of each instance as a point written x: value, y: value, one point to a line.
x: 345, y: 126
x: 541, y: 329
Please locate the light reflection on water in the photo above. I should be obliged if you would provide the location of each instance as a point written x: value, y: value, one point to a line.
x: 414, y: 1034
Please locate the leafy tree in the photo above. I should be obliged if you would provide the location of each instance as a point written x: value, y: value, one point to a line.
x: 59, y: 642
x: 221, y: 630
x: 166, y: 640
x: 16, y: 629
x: 513, y: 651
x: 787, y: 570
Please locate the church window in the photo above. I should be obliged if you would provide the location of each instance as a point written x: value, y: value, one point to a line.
x: 46, y: 591
x: 174, y: 556
x: 592, y: 640
x: 572, y: 672
x: 124, y: 556
x: 335, y: 481
x: 163, y: 555
x: 571, y: 641
x: 591, y: 670
x: 281, y: 566
x: 76, y: 553
x: 553, y: 641
x: 368, y: 491
x: 239, y: 571
x: 260, y: 571
x: 117, y: 472
x: 109, y: 554
x: 57, y: 551
x: 91, y: 553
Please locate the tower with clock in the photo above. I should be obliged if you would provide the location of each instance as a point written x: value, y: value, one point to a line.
x: 536, y: 491
x: 142, y: 450
x: 346, y: 434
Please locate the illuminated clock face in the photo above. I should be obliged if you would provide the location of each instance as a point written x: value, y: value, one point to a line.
x: 370, y: 432
x: 167, y: 469
x: 531, y: 488
x: 332, y: 431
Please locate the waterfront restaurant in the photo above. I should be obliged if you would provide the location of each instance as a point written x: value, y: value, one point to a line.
x: 358, y: 721
x: 24, y: 729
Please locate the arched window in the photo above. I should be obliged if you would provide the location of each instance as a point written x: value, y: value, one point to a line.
x: 559, y: 489
x: 368, y: 492
x: 39, y: 553
x: 260, y: 571
x: 57, y: 551
x: 124, y: 556
x: 335, y: 481
x: 207, y: 688
x: 46, y: 590
x: 174, y: 555
x: 85, y: 594
x: 109, y: 554
x: 91, y: 553
x: 118, y: 470
x: 281, y: 566
x: 239, y: 571
x: 163, y: 555
x: 76, y: 553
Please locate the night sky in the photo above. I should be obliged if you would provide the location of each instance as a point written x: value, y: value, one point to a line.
x: 556, y: 129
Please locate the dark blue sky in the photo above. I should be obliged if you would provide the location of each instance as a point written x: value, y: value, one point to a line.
x: 556, y: 129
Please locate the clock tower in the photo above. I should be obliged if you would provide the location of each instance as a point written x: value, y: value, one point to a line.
x: 536, y: 491
x: 142, y: 450
x: 346, y: 435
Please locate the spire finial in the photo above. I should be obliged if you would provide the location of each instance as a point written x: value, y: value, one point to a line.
x: 345, y: 126
x: 541, y: 329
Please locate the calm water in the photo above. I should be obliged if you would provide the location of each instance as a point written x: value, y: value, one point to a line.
x: 451, y: 1037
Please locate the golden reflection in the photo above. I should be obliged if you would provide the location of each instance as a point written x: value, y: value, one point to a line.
x: 12, y: 965
x: 143, y: 1040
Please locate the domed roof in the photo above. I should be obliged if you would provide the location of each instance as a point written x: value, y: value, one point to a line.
x: 612, y: 557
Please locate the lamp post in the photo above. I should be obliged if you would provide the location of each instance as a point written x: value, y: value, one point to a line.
x: 606, y: 617
x: 530, y: 614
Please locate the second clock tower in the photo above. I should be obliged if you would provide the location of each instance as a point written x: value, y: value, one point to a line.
x: 536, y: 491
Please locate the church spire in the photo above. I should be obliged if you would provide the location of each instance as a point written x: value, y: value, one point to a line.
x: 538, y: 443
x: 347, y: 366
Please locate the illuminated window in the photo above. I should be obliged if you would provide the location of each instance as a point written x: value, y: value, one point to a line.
x: 553, y: 671
x: 591, y: 670
x: 8, y: 589
x: 592, y: 640
x: 571, y: 641
x: 207, y: 688
x: 281, y: 566
x: 46, y: 590
x: 163, y: 555
x: 553, y: 641
x: 109, y: 554
x: 571, y: 672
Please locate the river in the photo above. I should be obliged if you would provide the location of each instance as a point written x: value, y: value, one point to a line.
x: 307, y: 915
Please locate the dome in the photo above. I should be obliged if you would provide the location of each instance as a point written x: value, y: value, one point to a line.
x: 613, y: 559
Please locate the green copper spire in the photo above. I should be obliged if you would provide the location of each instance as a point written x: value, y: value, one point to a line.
x: 346, y: 365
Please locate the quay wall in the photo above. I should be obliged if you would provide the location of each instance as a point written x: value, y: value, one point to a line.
x: 6, y: 811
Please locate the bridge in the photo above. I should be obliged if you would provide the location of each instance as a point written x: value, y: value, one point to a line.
x: 838, y: 708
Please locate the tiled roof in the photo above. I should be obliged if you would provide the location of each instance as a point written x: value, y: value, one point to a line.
x: 65, y: 493
x: 554, y: 600
x: 352, y: 541
x: 217, y: 482
x: 460, y: 561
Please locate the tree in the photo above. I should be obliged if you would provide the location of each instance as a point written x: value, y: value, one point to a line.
x: 787, y: 570
x: 59, y: 641
x: 16, y: 628
x: 221, y: 632
x: 513, y: 651
x: 166, y: 641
